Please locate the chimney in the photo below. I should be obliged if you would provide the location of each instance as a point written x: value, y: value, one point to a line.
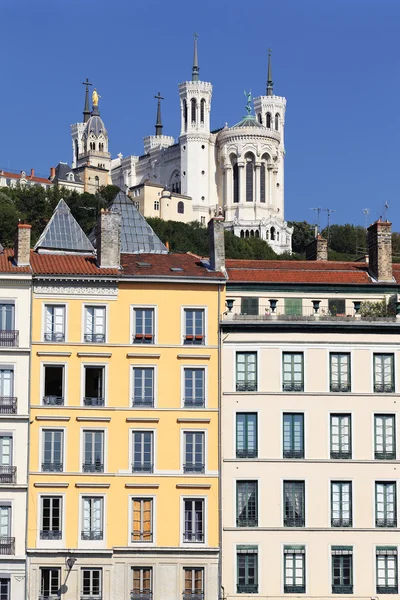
x: 380, y: 250
x: 22, y: 246
x: 52, y: 173
x: 108, y: 239
x: 317, y: 249
x: 216, y: 244
x: 32, y: 173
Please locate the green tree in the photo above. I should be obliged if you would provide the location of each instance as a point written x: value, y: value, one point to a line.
x: 303, y: 234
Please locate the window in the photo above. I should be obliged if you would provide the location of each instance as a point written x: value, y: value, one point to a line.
x: 262, y: 182
x: 53, y: 385
x: 93, y: 448
x: 340, y: 372
x: 7, y: 470
x: 293, y: 372
x: 51, y: 527
x: 246, y: 371
x: 95, y: 324
x: 50, y: 580
x: 385, y: 504
x: 142, y: 452
x: 143, y: 386
x: 194, y: 520
x: 91, y: 584
x: 52, y: 451
x: 5, y: 591
x: 156, y: 205
x: 194, y: 452
x: 386, y: 570
x: 143, y: 326
x: 247, y: 570
x: 203, y: 220
x: 384, y: 373
x: 341, y: 504
x: 194, y: 584
x: 341, y: 436
x: 246, y: 504
x: 249, y: 177
x: 7, y: 317
x: 293, y: 492
x: 246, y: 435
x: 94, y: 386
x: 8, y: 403
x: 54, y: 323
x: 235, y: 172
x: 181, y: 208
x: 249, y: 306
x: 142, y: 525
x: 277, y: 121
x: 142, y: 583
x: 337, y: 306
x: 342, y: 570
x: 92, y: 518
x: 294, y: 570
x: 268, y: 120
x: 185, y: 114
x: 194, y: 388
x: 202, y: 110
x: 293, y: 435
x: 385, y: 437
x: 6, y: 542
x: 194, y: 326
x: 294, y: 306
x: 193, y: 110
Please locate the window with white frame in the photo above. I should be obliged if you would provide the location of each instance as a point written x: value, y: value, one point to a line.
x: 54, y: 382
x: 246, y: 371
x: 94, y: 384
x: 142, y: 520
x: 142, y: 584
x: 194, y: 392
x: 194, y: 583
x: 7, y: 316
x: 384, y: 373
x: 6, y: 541
x: 51, y: 518
x: 54, y: 329
x: 8, y: 403
x: 341, y: 436
x: 143, y: 325
x: 7, y: 470
x: 93, y: 451
x: 386, y: 570
x: 194, y: 452
x: 52, y: 459
x: 95, y: 324
x: 50, y: 580
x: 385, y: 504
x: 385, y: 437
x: 294, y: 569
x: 193, y: 520
x: 142, y: 452
x: 293, y: 372
x: 92, y: 518
x: 340, y: 380
x: 143, y: 386
x: 194, y: 326
x: 156, y: 205
x: 341, y: 504
x: 91, y: 584
x: 5, y: 588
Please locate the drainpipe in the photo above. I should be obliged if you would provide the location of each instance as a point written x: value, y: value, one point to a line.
x: 27, y: 595
x: 220, y: 589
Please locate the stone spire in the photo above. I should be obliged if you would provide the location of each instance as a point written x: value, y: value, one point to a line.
x: 86, y: 111
x: 270, y: 83
x: 159, y: 125
x: 195, y: 69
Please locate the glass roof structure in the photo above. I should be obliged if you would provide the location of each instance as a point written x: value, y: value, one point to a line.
x: 63, y: 232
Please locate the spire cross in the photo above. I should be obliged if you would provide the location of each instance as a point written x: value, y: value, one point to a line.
x: 269, y: 51
x: 86, y: 110
x: 87, y: 82
x: 159, y: 97
x: 195, y: 35
x: 159, y: 125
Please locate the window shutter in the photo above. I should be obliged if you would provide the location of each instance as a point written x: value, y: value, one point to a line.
x: 5, y: 520
x: 89, y: 320
x: 147, y: 520
x: 86, y: 514
x: 97, y: 510
x: 5, y: 450
x: 58, y: 319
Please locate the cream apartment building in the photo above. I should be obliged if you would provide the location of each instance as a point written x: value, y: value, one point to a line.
x: 310, y: 388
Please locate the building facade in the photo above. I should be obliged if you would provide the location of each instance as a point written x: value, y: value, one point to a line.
x: 309, y: 438
x: 21, y: 178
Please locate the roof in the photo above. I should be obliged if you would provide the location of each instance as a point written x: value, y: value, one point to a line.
x: 96, y: 126
x: 247, y: 121
x: 62, y: 171
x: 9, y: 175
x: 137, y: 236
x: 63, y: 232
x: 7, y: 264
x: 47, y: 263
x: 166, y: 265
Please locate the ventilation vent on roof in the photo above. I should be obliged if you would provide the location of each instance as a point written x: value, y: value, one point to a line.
x: 176, y: 269
x: 143, y: 264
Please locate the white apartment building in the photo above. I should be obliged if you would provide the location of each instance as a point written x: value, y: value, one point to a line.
x: 15, y: 309
x: 309, y: 443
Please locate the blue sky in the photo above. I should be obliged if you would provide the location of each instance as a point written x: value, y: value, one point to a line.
x: 336, y: 61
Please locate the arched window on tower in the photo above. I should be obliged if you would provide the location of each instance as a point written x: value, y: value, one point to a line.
x: 268, y: 120
x: 97, y: 182
x: 185, y: 113
x: 101, y: 147
x: 277, y: 122
x: 272, y: 234
x: 193, y: 110
x: 202, y: 110
x: 262, y: 182
x: 259, y: 117
x: 249, y: 158
x: 76, y: 150
x: 181, y: 208
x: 235, y: 170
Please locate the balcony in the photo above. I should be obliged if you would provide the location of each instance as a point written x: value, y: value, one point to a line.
x: 7, y: 545
x: 193, y: 468
x: 53, y: 336
x: 193, y: 340
x: 384, y: 388
x: 53, y: 400
x: 92, y: 535
x: 93, y: 401
x: 292, y: 386
x: 386, y: 589
x: 8, y: 474
x: 342, y: 522
x: 8, y: 405
x: 193, y: 402
x: 386, y: 522
x: 293, y: 454
x: 52, y: 467
x: 145, y: 402
x: 49, y: 597
x: 342, y: 589
x: 246, y: 386
x: 385, y: 455
x: 247, y: 588
x: 247, y: 522
x: 193, y: 595
x: 89, y: 597
x: 143, y: 338
x: 54, y: 534
x: 341, y: 455
x: 340, y: 388
x: 93, y: 467
x: 145, y: 467
x: 247, y: 453
x: 94, y: 338
x: 137, y: 595
x: 298, y: 521
x: 294, y: 589
x: 9, y: 338
x: 193, y: 537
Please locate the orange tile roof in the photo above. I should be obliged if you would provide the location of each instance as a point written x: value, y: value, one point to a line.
x: 27, y: 177
x: 7, y: 264
x: 161, y: 265
x: 68, y: 264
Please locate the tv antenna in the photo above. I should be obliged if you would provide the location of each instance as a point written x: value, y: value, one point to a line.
x: 318, y: 211
x: 365, y: 213
x: 329, y: 211
x: 385, y: 209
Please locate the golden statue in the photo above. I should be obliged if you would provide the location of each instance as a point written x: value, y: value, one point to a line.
x: 95, y: 98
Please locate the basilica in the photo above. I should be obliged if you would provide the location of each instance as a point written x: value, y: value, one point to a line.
x: 237, y: 171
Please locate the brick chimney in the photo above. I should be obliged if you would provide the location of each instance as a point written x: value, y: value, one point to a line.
x: 108, y: 239
x: 22, y: 245
x: 32, y: 175
x: 216, y: 244
x: 317, y: 249
x: 52, y: 173
x: 380, y: 250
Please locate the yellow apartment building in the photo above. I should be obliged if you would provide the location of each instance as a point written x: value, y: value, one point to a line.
x: 123, y: 486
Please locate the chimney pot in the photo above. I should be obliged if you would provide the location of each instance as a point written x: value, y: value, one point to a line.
x: 216, y: 244
x: 380, y: 250
x: 32, y: 173
x: 108, y: 239
x: 22, y: 246
x: 317, y: 249
x: 52, y: 172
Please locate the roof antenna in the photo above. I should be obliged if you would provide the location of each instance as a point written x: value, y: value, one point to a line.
x: 329, y: 211
x: 386, y: 208
x: 365, y: 213
x: 318, y: 211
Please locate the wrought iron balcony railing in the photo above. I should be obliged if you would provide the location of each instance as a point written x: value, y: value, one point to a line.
x: 387, y: 589
x: 93, y: 467
x: 294, y: 589
x: 193, y: 340
x: 9, y: 337
x: 247, y: 522
x: 94, y: 338
x: 52, y: 467
x: 142, y: 536
x: 53, y: 400
x: 93, y: 401
x: 340, y: 388
x: 341, y: 455
x: 386, y: 522
x: 143, y: 338
x: 54, y: 336
x: 247, y: 453
x: 54, y: 534
x: 146, y: 402
x: 7, y: 545
x: 246, y: 386
x: 294, y: 521
x: 49, y: 597
x: 248, y: 588
x: 193, y: 402
x: 193, y: 536
x: 8, y: 405
x: 342, y: 589
x: 138, y: 595
x: 195, y: 595
x: 384, y: 388
x: 92, y: 535
x: 193, y: 468
x: 385, y: 455
x: 291, y: 386
x: 342, y: 522
x: 145, y: 467
x: 293, y: 454
x: 91, y: 597
x: 8, y: 474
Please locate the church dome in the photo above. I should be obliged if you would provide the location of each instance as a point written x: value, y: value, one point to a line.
x: 95, y: 126
x: 247, y: 121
